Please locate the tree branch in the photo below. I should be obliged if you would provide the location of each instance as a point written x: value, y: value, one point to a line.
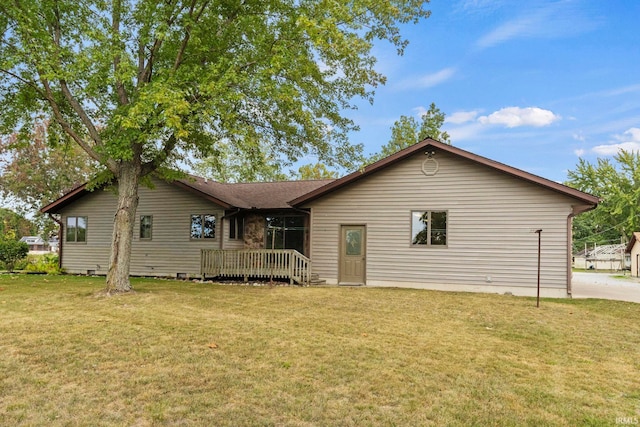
x: 25, y: 81
x: 84, y: 117
x: 120, y: 89
x: 187, y: 32
x: 144, y: 74
x: 141, y: 65
x: 57, y: 112
x: 155, y: 163
x: 65, y: 125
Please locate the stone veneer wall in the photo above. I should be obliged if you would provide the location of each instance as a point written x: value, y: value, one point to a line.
x: 254, y: 229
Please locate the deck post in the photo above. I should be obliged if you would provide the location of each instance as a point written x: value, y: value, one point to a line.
x: 291, y: 259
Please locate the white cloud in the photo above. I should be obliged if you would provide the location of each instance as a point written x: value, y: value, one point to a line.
x: 551, y: 20
x: 475, y: 6
x: 521, y: 27
x: 420, y: 111
x: 579, y: 152
x: 629, y: 141
x: 465, y: 132
x: 428, y: 80
x: 612, y: 149
x: 620, y: 91
x: 515, y: 116
x: 460, y: 117
x: 634, y: 134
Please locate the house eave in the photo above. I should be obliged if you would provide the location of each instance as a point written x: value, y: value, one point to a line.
x: 70, y: 197
x: 80, y: 191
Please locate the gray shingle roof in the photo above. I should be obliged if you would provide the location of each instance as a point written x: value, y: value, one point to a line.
x: 260, y: 195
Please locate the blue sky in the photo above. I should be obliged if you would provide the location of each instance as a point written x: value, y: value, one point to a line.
x: 534, y: 84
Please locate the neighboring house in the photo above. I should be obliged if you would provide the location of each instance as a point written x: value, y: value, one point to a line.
x: 431, y: 216
x: 36, y: 244
x: 603, y: 257
x: 54, y: 244
x: 633, y: 251
x: 580, y: 259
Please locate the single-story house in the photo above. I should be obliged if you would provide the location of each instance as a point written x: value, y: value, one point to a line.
x: 633, y: 251
x: 53, y: 244
x: 430, y: 216
x: 580, y: 259
x: 37, y: 245
x: 603, y: 257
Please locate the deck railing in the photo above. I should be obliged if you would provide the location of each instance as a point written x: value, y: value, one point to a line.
x: 260, y: 263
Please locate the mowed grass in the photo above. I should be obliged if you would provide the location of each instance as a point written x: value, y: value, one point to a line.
x: 183, y: 353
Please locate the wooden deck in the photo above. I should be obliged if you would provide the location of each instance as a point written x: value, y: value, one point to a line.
x: 260, y: 263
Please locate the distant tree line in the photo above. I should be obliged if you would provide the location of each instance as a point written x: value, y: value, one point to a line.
x: 617, y: 182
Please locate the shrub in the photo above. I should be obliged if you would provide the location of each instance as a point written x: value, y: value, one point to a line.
x: 47, y: 263
x: 21, y: 264
x: 12, y: 251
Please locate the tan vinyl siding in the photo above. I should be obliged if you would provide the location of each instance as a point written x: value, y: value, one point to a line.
x: 92, y: 255
x: 230, y: 243
x: 168, y: 252
x: 490, y: 220
x: 635, y: 257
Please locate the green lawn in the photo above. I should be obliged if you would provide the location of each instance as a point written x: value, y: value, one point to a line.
x: 183, y: 353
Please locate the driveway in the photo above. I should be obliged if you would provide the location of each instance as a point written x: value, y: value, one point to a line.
x: 605, y: 286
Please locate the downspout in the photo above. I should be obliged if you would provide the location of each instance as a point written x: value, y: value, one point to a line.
x: 59, y: 239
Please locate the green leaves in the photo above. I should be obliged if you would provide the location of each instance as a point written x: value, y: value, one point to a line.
x: 251, y: 163
x: 407, y: 131
x: 39, y: 166
x: 120, y: 75
x: 316, y: 171
x: 617, y: 183
x: 12, y: 251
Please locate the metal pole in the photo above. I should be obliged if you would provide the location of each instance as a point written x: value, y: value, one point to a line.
x: 539, y: 232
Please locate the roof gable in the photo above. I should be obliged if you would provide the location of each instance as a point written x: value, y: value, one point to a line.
x: 588, y: 200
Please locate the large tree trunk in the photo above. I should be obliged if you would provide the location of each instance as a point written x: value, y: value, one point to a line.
x: 118, y: 275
